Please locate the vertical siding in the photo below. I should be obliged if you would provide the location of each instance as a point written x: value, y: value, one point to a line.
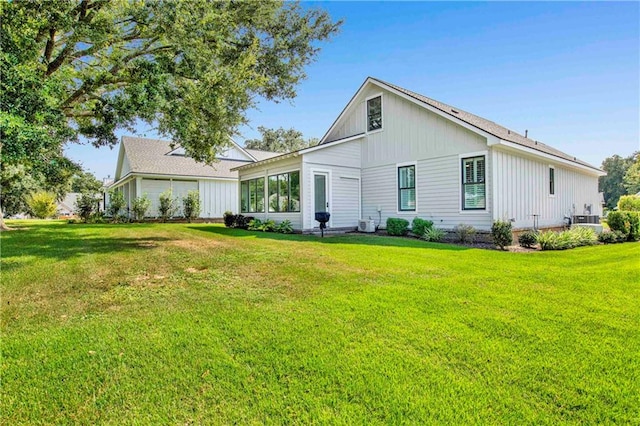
x: 522, y: 190
x: 154, y: 187
x: 217, y: 196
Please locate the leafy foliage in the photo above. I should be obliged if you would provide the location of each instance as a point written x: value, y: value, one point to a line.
x: 397, y: 226
x: 613, y: 183
x: 630, y: 203
x: 17, y: 183
x: 464, y: 233
x: 501, y: 231
x: 116, y: 205
x: 191, y: 205
x: 285, y: 227
x: 528, y: 239
x: 42, y: 204
x: 420, y: 226
x: 85, y: 182
x: 86, y: 205
x: 612, y: 237
x: 433, y: 234
x: 229, y: 219
x: 627, y: 223
x: 167, y: 207
x: 631, y: 179
x: 280, y: 140
x: 574, y: 237
x: 140, y: 207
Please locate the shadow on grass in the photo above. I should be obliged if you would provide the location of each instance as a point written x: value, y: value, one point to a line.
x: 356, y: 239
x: 53, y: 241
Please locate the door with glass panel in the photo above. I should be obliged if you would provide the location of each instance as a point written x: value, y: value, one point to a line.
x: 320, y: 192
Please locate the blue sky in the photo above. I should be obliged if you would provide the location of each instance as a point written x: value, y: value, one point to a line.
x: 567, y: 72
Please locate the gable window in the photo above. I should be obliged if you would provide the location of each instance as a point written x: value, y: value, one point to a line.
x: 552, y: 181
x: 252, y: 196
x: 473, y: 183
x: 374, y: 113
x: 284, y: 192
x: 407, y: 188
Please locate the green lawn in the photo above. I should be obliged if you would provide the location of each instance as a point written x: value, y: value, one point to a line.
x: 198, y: 324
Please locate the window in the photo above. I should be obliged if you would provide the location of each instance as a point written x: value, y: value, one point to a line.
x: 552, y: 181
x: 252, y: 196
x: 407, y: 188
x: 374, y: 114
x: 473, y: 185
x: 284, y: 192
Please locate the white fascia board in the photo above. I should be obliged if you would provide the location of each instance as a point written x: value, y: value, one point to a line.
x: 334, y: 143
x: 242, y: 149
x: 540, y: 154
x: 344, y: 111
x: 163, y: 176
x: 266, y: 161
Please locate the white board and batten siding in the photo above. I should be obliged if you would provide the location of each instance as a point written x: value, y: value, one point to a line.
x: 522, y: 190
x: 217, y: 196
x: 154, y: 187
x: 414, y: 135
x: 270, y: 169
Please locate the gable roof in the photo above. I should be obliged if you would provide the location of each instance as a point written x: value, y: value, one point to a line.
x: 154, y: 157
x: 482, y: 125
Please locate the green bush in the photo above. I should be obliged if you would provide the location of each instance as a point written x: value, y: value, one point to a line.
x: 140, y: 206
x: 167, y: 206
x: 254, y: 225
x: 42, y: 204
x: 116, y: 205
x: 420, y: 226
x: 575, y: 237
x: 86, y: 205
x: 465, y: 233
x: 629, y: 203
x: 501, y: 233
x: 433, y: 234
x: 528, y: 239
x: 396, y: 226
x: 625, y: 222
x: 608, y: 237
x: 285, y: 227
x: 191, y: 205
x: 268, y: 226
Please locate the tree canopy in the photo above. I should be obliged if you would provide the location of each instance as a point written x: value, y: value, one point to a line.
x: 280, y: 140
x: 631, y: 179
x: 613, y: 184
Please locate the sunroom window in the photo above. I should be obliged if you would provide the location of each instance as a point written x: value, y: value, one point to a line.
x: 252, y: 196
x: 473, y: 183
x: 407, y: 188
x: 284, y: 192
x: 374, y: 114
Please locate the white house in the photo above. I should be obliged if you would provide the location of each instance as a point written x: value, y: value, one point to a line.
x: 394, y: 153
x: 151, y: 166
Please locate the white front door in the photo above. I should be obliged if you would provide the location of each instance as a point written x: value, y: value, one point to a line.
x: 320, y: 193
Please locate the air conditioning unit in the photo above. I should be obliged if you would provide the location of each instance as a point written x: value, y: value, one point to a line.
x: 366, y: 225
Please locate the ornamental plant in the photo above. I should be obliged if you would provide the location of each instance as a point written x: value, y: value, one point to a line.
x: 191, y: 205
x: 501, y: 233
x: 420, y: 226
x: 42, y: 204
x: 140, y: 207
x: 397, y: 226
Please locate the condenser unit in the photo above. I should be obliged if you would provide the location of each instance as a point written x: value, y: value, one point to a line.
x: 366, y: 225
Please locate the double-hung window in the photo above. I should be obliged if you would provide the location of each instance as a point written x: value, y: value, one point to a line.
x: 474, y: 195
x: 407, y: 188
x: 374, y: 114
x: 552, y: 181
x: 284, y: 192
x: 252, y: 196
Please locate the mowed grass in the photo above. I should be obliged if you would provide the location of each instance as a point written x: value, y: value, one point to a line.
x: 199, y: 324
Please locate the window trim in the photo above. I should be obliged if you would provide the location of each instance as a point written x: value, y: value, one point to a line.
x: 366, y: 113
x: 249, y: 194
x: 551, y: 187
x: 461, y: 158
x: 415, y: 188
x: 276, y: 174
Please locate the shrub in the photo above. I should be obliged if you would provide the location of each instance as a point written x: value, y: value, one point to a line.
x: 140, y: 207
x: 634, y: 225
x: 268, y: 226
x: 254, y: 225
x: 501, y: 233
x: 465, y: 233
x: 583, y: 236
x: 285, y: 227
x: 575, y: 237
x: 629, y: 203
x: 191, y: 205
x: 627, y: 223
x: 85, y: 206
x: 609, y: 237
x: 528, y: 239
x: 116, y: 205
x: 241, y: 221
x: 42, y: 204
x: 229, y: 219
x: 420, y: 226
x: 433, y: 234
x: 396, y: 226
x: 167, y: 206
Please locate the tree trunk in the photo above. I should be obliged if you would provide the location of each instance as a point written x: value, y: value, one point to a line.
x: 3, y: 226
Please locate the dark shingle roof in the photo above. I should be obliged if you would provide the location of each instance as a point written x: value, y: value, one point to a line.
x: 487, y: 125
x: 149, y: 156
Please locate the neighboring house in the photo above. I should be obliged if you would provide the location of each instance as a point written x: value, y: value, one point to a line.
x: 395, y: 153
x: 151, y: 166
x: 67, y: 206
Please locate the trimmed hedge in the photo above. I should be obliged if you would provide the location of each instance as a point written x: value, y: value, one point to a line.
x: 420, y: 226
x: 397, y: 226
x: 629, y: 203
x: 625, y: 222
x: 528, y: 239
x: 501, y: 233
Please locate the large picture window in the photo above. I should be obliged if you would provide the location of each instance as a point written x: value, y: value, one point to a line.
x: 473, y: 184
x: 374, y: 113
x: 252, y: 196
x: 284, y: 192
x: 407, y: 188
